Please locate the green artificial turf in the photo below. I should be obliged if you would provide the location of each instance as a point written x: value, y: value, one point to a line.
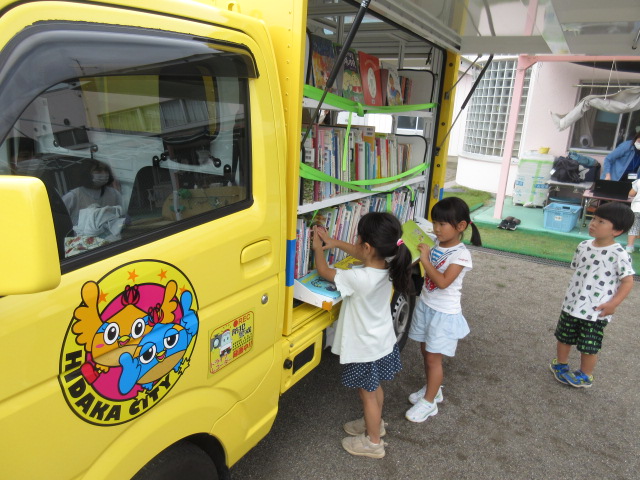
x: 474, y: 198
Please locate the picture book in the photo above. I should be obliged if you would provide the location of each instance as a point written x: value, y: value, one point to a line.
x: 351, y: 81
x: 393, y: 87
x: 348, y: 263
x: 370, y: 73
x: 318, y: 285
x: 412, y: 235
x: 323, y: 59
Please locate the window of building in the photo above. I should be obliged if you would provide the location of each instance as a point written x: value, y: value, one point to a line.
x: 489, y: 110
x: 599, y: 130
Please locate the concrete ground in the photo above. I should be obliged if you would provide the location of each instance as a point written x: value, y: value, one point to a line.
x: 504, y: 416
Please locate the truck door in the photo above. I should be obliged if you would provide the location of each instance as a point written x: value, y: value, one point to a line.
x: 161, y: 155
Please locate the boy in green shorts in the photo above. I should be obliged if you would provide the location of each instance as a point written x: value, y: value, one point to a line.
x: 602, y: 279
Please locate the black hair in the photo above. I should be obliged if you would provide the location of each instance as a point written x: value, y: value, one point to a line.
x: 619, y: 214
x: 453, y: 210
x: 88, y: 166
x: 382, y: 231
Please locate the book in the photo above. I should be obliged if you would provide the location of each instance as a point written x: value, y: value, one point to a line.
x: 412, y: 235
x: 392, y: 88
x: 351, y: 81
x: 347, y: 263
x: 318, y: 285
x: 370, y: 73
x: 323, y: 58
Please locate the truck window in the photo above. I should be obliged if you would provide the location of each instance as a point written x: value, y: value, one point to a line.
x: 131, y: 157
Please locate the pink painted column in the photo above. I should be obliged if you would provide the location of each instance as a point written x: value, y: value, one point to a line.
x: 524, y: 62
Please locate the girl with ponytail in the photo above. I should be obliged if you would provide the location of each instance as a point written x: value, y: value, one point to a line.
x: 365, y: 339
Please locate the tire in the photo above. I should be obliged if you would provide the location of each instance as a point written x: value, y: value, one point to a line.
x: 402, y: 305
x: 181, y: 461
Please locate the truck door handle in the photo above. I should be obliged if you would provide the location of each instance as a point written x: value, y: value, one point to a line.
x: 255, y: 251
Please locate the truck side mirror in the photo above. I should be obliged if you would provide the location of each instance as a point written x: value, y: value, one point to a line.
x: 28, y: 252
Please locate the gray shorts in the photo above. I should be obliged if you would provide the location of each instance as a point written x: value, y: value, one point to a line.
x: 635, y: 230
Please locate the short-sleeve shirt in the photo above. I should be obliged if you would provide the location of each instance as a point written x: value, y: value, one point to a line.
x: 596, y: 279
x: 364, y: 332
x: 446, y: 300
x: 635, y: 203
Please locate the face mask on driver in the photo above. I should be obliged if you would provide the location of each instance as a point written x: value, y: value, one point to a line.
x: 637, y: 145
x: 99, y: 179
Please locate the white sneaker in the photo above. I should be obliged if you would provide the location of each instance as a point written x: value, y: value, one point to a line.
x: 630, y: 248
x: 415, y: 396
x: 421, y: 411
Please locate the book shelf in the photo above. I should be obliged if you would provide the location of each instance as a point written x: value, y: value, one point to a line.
x: 351, y: 205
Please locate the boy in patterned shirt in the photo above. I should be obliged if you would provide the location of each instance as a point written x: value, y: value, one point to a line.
x: 602, y: 279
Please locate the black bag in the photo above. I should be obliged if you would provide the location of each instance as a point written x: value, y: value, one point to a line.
x: 566, y: 170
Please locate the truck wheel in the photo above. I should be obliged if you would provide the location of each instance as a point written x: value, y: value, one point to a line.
x: 401, y: 312
x: 179, y: 462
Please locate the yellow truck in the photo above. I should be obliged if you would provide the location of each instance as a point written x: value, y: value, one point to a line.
x: 149, y: 177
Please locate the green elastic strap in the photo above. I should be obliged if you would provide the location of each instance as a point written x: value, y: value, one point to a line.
x: 413, y: 193
x: 358, y: 108
x: 389, y: 202
x: 311, y: 173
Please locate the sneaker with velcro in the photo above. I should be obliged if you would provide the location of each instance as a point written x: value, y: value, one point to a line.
x: 415, y: 396
x: 578, y: 379
x: 559, y: 369
x: 421, y: 411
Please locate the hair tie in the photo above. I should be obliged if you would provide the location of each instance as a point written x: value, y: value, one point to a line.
x: 400, y: 242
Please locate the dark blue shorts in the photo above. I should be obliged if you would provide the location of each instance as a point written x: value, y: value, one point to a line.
x: 369, y: 374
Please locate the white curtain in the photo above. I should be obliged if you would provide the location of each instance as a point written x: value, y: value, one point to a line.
x: 622, y: 102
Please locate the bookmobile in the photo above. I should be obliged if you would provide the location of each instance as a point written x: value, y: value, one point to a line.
x: 152, y: 335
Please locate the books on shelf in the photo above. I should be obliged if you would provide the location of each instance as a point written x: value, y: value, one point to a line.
x: 313, y: 289
x: 323, y: 58
x: 370, y: 155
x: 341, y: 222
x: 371, y: 84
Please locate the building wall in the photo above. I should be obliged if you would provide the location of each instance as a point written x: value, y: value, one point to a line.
x: 554, y: 88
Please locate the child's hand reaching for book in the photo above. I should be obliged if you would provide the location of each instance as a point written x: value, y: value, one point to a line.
x: 321, y: 237
x: 318, y: 240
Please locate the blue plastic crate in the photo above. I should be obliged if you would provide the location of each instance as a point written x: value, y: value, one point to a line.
x: 561, y: 217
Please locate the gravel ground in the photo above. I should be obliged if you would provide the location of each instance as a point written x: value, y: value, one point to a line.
x: 503, y: 416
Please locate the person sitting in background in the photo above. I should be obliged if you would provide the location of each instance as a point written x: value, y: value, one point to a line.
x: 95, y: 190
x: 96, y: 210
x: 622, y: 161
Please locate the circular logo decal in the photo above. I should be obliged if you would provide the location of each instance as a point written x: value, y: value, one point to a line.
x: 129, y: 341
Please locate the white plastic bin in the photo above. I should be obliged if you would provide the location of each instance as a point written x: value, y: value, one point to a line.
x: 530, y: 185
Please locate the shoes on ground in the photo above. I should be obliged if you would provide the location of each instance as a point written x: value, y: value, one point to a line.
x: 578, y: 379
x: 421, y: 411
x: 415, y: 396
x: 505, y: 223
x: 513, y: 224
x: 630, y: 248
x: 357, y: 427
x: 559, y: 370
x: 361, y: 445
